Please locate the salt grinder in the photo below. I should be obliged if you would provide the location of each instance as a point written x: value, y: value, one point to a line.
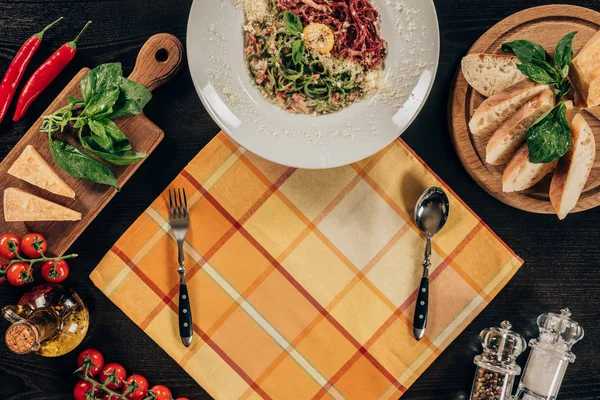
x: 550, y: 355
x: 496, y: 366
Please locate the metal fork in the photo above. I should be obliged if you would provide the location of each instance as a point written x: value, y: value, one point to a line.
x: 179, y: 219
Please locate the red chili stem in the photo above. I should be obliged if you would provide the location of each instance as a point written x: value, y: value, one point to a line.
x: 40, y: 34
x: 73, y: 43
x: 17, y: 68
x: 45, y: 74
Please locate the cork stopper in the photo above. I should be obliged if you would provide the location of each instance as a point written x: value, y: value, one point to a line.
x: 21, y: 338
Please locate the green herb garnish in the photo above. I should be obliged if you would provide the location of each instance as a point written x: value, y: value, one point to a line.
x: 292, y: 23
x: 107, y: 95
x: 549, y: 138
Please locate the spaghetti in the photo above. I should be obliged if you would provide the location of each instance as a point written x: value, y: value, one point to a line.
x: 282, y: 57
x: 355, y: 24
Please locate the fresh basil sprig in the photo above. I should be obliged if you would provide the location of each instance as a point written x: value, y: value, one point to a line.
x: 538, y: 66
x: 107, y: 95
x: 297, y: 51
x: 292, y: 23
x: 549, y: 138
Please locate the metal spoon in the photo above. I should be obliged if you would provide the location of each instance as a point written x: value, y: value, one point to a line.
x: 431, y: 213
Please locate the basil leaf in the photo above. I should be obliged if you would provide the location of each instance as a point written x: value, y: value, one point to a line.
x: 98, y: 134
x: 562, y: 89
x: 564, y: 54
x: 80, y: 165
x: 121, y: 158
x: 120, y: 141
x: 297, y: 51
x: 132, y: 99
x: 292, y: 23
x: 100, y: 78
x: 536, y: 73
x: 549, y: 138
x: 527, y: 51
x: 102, y: 103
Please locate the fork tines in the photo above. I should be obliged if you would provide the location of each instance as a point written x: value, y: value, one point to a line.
x: 178, y: 207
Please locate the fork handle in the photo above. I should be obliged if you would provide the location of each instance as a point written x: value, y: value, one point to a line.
x: 185, y: 313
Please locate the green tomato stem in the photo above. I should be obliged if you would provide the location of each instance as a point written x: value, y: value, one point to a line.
x: 102, y: 387
x: 42, y: 258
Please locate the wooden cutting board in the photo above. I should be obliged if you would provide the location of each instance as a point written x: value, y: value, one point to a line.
x: 159, y: 60
x: 545, y: 25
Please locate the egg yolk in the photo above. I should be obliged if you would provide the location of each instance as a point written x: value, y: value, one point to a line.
x: 318, y: 37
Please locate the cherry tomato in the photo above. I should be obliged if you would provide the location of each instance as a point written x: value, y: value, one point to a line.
x: 107, y: 396
x: 82, y: 388
x: 3, y: 268
x: 9, y: 244
x: 96, y: 359
x: 55, y: 271
x: 33, y: 245
x: 161, y: 392
x: 115, y: 373
x: 141, y: 385
x: 19, y: 274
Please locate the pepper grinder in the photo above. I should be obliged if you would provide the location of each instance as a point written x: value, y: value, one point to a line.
x: 496, y: 366
x: 550, y: 355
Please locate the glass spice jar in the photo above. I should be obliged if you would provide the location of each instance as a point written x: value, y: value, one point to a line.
x: 550, y: 355
x: 50, y: 321
x: 496, y: 366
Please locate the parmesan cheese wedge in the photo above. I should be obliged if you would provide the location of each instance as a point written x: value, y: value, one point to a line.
x: 32, y: 168
x: 22, y: 206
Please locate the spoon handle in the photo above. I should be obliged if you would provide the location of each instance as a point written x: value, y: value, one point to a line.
x: 422, y: 307
x: 420, y: 321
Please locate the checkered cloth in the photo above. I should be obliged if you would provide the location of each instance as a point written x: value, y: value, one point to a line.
x: 302, y: 282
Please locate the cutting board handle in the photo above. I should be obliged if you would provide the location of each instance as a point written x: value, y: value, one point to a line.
x: 159, y: 60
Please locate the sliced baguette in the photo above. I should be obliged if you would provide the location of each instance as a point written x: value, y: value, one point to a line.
x: 495, y: 110
x: 520, y: 174
x: 491, y: 73
x: 574, y: 168
x: 510, y: 136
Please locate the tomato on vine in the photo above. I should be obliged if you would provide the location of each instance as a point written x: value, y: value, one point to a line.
x: 136, y: 387
x: 159, y: 392
x: 113, y: 375
x: 90, y: 360
x: 81, y: 390
x: 19, y: 274
x: 55, y: 271
x: 9, y: 246
x: 33, y: 245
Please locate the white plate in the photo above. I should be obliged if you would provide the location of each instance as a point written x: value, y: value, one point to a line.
x: 215, y: 52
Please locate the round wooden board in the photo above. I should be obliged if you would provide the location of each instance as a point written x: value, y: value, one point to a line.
x: 545, y: 25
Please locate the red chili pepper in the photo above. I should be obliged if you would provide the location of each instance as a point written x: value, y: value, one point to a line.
x: 17, y: 68
x: 45, y: 74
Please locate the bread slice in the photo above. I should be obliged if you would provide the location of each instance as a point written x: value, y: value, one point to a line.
x: 491, y: 73
x: 495, y: 110
x: 584, y: 73
x: 510, y: 136
x: 521, y: 174
x: 22, y: 206
x: 31, y: 167
x: 574, y: 168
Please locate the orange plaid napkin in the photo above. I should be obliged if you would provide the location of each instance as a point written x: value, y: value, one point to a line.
x: 303, y: 282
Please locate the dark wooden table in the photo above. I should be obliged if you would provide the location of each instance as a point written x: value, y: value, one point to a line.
x: 562, y: 258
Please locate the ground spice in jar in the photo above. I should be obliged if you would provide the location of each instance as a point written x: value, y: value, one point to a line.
x: 489, y: 385
x: 20, y: 338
